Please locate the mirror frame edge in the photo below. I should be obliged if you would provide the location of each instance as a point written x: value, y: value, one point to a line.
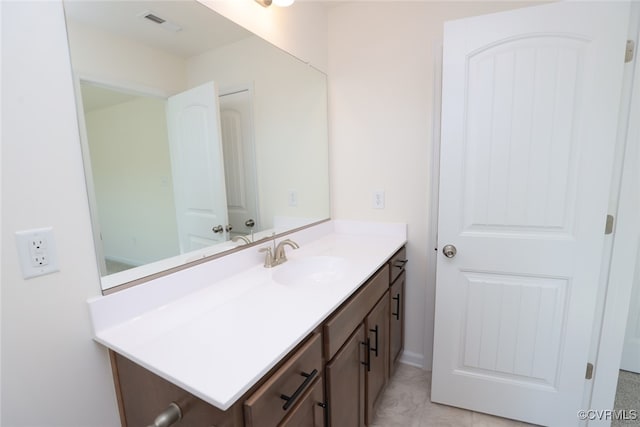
x: 205, y: 259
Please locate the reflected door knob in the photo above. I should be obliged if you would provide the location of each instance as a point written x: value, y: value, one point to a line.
x: 449, y: 251
x: 217, y: 229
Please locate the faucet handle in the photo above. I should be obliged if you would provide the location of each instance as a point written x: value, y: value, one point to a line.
x: 268, y: 259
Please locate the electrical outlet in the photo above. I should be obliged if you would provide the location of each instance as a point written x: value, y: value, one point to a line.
x: 377, y: 201
x: 36, y: 249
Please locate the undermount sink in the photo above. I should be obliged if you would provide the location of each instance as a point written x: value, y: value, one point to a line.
x: 313, y: 269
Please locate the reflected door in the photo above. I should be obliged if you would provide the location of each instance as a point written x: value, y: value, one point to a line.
x: 197, y: 167
x: 529, y: 115
x: 239, y: 160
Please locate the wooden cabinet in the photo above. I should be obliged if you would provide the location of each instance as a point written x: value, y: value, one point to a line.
x: 397, y: 263
x: 357, y: 349
x: 377, y: 327
x: 281, y: 394
x: 396, y: 322
x: 143, y: 396
x: 396, y: 303
x: 346, y: 319
x: 345, y: 375
x: 310, y: 411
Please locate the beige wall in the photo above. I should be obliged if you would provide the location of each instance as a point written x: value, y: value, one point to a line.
x: 381, y: 104
x: 131, y: 168
x: 285, y: 92
x: 53, y: 374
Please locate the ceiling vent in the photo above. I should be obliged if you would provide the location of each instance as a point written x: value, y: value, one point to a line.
x: 154, y: 18
x: 167, y: 25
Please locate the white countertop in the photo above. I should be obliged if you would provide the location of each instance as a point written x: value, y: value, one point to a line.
x: 215, y: 329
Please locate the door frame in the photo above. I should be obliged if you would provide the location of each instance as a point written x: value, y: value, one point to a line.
x: 609, y: 330
x: 249, y: 88
x: 121, y: 86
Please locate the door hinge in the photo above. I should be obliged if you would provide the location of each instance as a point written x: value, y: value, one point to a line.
x: 629, y: 51
x: 608, y: 228
x: 589, y: 374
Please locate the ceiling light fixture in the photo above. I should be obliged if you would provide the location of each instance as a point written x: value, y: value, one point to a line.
x: 280, y: 3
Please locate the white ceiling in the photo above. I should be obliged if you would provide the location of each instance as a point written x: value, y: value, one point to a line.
x: 202, y: 29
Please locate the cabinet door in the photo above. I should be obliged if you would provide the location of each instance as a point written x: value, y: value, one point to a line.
x: 280, y: 393
x: 345, y: 376
x: 377, y: 328
x: 143, y: 396
x: 310, y: 410
x: 396, y: 323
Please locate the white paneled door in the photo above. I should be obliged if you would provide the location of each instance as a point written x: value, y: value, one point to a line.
x: 193, y: 119
x: 529, y: 116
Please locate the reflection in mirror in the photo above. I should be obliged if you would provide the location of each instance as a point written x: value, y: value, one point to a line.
x: 197, y: 135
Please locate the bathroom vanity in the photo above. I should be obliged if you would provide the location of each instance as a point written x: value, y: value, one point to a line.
x: 311, y: 342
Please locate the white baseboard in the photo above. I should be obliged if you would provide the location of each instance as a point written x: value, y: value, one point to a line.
x: 413, y: 359
x: 124, y: 260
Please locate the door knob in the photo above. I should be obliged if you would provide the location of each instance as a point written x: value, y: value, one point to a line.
x: 217, y: 229
x: 449, y: 251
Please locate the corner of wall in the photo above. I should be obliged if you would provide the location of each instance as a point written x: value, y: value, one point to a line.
x: 300, y: 29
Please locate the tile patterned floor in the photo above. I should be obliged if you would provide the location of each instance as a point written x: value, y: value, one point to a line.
x: 627, y: 397
x: 406, y: 403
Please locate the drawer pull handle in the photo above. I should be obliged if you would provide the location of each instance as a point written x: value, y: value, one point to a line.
x: 400, y: 263
x: 168, y: 417
x: 375, y: 331
x: 289, y: 400
x: 397, y: 313
x: 367, y: 362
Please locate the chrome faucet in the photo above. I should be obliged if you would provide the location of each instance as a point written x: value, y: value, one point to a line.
x: 280, y: 256
x: 277, y: 256
x: 245, y: 239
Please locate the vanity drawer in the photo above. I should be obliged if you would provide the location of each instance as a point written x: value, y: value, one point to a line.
x: 346, y: 319
x: 267, y: 407
x: 397, y: 263
x: 310, y: 412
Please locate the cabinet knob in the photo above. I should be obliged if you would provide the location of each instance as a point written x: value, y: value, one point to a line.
x: 168, y: 417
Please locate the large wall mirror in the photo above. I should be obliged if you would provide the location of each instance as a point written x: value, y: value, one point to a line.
x: 198, y: 136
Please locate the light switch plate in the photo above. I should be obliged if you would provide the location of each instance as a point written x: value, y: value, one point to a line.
x: 293, y: 198
x: 37, y: 252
